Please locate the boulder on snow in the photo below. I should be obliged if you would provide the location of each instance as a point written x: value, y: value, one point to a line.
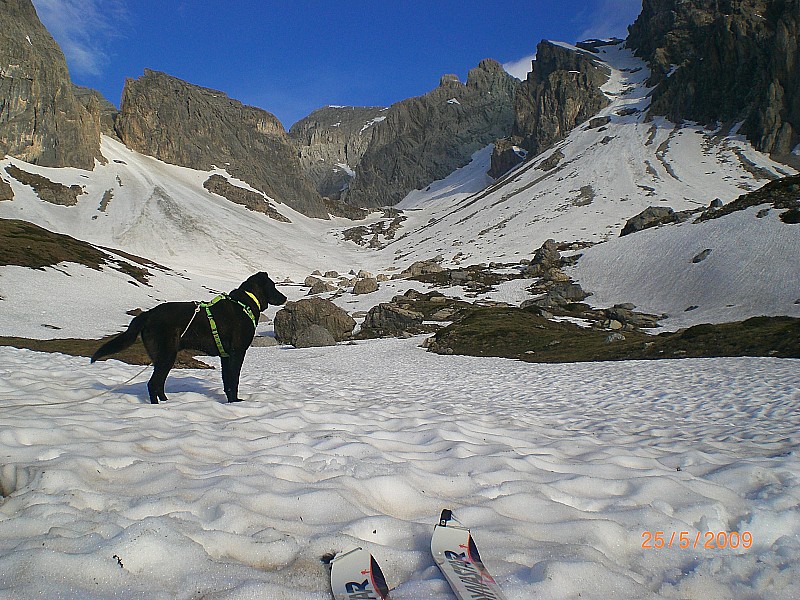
x: 366, y: 286
x: 314, y: 336
x: 294, y: 317
x: 649, y: 217
x: 422, y: 267
x: 321, y: 287
x: 390, y: 320
x: 546, y: 260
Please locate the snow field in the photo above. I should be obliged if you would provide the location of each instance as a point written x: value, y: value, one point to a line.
x: 558, y: 469
x: 654, y: 270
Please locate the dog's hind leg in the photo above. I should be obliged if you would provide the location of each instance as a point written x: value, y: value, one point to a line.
x: 161, y: 368
x: 231, y: 369
x: 162, y: 351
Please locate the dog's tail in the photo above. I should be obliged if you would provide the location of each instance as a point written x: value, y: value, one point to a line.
x: 123, y: 340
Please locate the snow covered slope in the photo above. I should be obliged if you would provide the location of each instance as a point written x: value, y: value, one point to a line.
x: 725, y: 269
x: 163, y: 212
x: 562, y: 471
x: 608, y: 173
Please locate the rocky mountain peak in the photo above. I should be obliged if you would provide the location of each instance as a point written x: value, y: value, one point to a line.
x: 331, y: 141
x: 426, y: 138
x: 200, y: 128
x: 488, y: 75
x: 41, y: 120
x: 561, y: 91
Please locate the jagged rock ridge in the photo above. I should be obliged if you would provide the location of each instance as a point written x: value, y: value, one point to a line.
x: 561, y: 91
x: 41, y: 120
x: 331, y: 142
x: 426, y: 138
x: 726, y: 61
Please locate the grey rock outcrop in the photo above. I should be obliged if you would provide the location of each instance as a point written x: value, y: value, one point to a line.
x: 41, y: 120
x: 426, y: 138
x: 295, y: 317
x: 422, y: 267
x: 546, y: 259
x: 653, y: 216
x: 6, y: 191
x: 92, y: 101
x: 561, y: 91
x: 629, y: 318
x: 196, y: 127
x: 782, y: 194
x: 729, y: 61
x: 331, y: 141
x: 505, y: 156
x: 49, y: 191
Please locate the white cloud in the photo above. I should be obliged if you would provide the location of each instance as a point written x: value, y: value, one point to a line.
x: 83, y: 29
x: 520, y: 68
x: 611, y: 19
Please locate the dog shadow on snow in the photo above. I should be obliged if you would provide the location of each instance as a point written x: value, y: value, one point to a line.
x: 187, y: 384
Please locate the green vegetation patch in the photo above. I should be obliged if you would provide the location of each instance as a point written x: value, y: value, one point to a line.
x: 525, y: 335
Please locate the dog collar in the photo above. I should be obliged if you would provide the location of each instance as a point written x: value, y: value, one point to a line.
x: 258, y: 304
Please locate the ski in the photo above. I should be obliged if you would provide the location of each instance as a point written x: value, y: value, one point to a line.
x: 456, y: 555
x: 355, y: 575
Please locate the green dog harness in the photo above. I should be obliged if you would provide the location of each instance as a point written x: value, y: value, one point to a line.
x: 248, y: 311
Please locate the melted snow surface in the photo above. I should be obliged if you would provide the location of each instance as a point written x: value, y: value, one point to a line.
x: 559, y: 470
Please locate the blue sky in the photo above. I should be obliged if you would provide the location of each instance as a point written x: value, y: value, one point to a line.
x: 292, y: 57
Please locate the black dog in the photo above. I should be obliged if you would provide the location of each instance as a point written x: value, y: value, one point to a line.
x: 173, y: 326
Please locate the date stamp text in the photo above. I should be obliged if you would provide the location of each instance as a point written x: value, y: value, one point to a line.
x: 711, y: 540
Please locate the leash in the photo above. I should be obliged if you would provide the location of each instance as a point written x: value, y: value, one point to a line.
x: 189, y: 324
x: 103, y: 393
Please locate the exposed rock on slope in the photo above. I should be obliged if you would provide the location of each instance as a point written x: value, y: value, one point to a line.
x: 41, y: 121
x: 426, y: 138
x: 217, y: 184
x: 49, y: 191
x: 725, y: 62
x: 331, y: 142
x: 196, y: 127
x: 561, y: 91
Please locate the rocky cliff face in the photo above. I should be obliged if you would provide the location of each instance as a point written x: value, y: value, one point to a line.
x: 41, y: 121
x: 196, y: 127
x: 95, y: 102
x: 331, y: 142
x: 426, y: 138
x: 726, y: 61
x: 561, y: 91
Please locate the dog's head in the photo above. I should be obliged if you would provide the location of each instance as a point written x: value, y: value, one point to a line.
x: 261, y: 285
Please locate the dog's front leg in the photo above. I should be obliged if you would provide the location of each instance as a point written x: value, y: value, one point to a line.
x: 231, y: 368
